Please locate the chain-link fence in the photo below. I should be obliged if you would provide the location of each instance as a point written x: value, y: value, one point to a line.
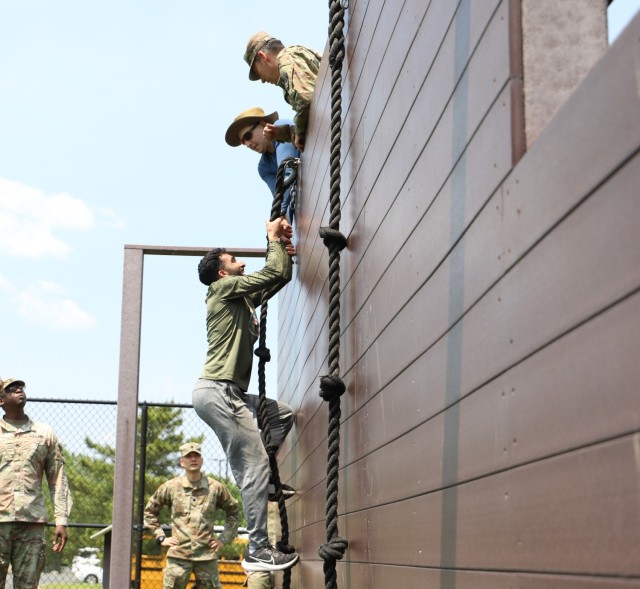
x: 87, y: 431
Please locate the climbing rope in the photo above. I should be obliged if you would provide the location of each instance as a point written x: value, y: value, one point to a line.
x: 331, y: 385
x: 285, y: 178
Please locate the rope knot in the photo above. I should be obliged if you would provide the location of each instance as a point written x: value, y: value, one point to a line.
x: 263, y: 353
x: 333, y: 550
x: 285, y: 548
x: 331, y: 387
x: 333, y: 237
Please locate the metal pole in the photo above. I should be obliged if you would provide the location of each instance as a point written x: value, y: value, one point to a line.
x: 142, y: 469
x: 122, y: 515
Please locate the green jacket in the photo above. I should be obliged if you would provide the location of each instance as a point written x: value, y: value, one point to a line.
x: 232, y: 325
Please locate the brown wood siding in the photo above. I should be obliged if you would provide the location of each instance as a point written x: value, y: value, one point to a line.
x: 490, y: 314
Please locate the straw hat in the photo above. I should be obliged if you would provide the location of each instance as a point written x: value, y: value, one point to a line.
x: 247, y: 117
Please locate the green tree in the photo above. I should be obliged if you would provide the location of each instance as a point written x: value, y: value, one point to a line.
x: 164, y: 439
x: 91, y: 482
x: 91, y: 477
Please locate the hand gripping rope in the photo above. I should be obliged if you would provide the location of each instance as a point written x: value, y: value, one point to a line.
x: 264, y: 356
x: 331, y: 385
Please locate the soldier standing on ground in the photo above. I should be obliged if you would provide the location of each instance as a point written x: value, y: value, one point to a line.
x: 193, y: 499
x: 29, y: 451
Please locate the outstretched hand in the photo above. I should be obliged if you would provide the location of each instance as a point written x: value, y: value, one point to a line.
x: 274, y: 229
x: 279, y: 229
x: 287, y: 230
x: 269, y: 132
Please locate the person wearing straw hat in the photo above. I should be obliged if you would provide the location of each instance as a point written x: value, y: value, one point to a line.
x: 295, y: 70
x: 248, y: 129
x: 29, y: 451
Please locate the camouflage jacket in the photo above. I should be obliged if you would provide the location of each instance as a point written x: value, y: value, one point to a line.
x: 193, y: 508
x: 28, y: 452
x: 298, y: 67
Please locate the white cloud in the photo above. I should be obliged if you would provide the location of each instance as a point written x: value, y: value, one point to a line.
x: 30, y: 218
x: 46, y: 303
x: 5, y: 284
x: 109, y: 219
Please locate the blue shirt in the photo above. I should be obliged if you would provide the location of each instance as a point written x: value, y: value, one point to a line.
x: 269, y: 163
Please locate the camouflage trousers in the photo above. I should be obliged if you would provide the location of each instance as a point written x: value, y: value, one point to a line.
x: 178, y: 571
x: 259, y: 580
x: 22, y: 547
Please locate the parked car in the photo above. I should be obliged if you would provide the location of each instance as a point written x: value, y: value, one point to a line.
x: 86, y: 566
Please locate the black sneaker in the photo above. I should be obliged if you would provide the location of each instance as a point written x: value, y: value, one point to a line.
x: 268, y: 558
x: 287, y: 492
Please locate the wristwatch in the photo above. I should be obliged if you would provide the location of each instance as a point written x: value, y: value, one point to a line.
x: 160, y: 539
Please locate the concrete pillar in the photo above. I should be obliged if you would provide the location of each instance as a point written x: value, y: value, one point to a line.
x: 561, y: 41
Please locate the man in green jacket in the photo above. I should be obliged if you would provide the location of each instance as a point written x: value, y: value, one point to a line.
x: 220, y: 396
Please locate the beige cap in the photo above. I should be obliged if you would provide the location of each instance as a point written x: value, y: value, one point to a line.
x: 190, y: 447
x: 255, y: 43
x: 9, y: 381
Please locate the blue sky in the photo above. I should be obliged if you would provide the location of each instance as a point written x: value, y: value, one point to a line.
x: 112, y: 118
x: 112, y: 121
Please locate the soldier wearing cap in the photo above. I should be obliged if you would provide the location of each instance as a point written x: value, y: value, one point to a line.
x: 193, y: 500
x: 248, y: 129
x: 28, y: 451
x: 295, y: 70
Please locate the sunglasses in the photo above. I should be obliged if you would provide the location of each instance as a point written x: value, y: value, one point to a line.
x: 246, y: 136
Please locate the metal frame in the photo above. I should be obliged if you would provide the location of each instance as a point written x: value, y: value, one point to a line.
x: 128, y: 380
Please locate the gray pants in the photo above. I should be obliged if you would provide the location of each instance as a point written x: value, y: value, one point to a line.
x: 231, y: 414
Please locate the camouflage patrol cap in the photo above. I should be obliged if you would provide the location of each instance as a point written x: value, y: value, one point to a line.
x: 9, y: 381
x: 190, y: 447
x: 255, y: 43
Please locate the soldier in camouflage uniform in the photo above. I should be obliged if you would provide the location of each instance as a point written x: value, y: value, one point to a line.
x: 193, y: 500
x: 28, y: 452
x: 295, y: 70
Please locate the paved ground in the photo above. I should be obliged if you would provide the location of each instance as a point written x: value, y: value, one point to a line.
x: 53, y: 577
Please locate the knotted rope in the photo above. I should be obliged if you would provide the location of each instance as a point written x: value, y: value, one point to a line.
x: 264, y: 354
x: 331, y: 385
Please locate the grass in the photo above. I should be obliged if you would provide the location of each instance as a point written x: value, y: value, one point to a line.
x: 66, y: 585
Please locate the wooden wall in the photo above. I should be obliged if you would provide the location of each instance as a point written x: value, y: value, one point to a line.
x: 490, y: 314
